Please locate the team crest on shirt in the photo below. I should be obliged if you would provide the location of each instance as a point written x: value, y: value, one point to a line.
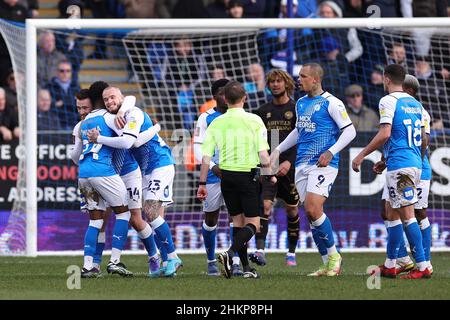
x: 316, y: 107
x: 268, y: 115
x: 288, y: 115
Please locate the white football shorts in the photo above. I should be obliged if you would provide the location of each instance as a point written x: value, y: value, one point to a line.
x: 310, y: 178
x: 385, y: 194
x: 402, y: 186
x: 423, y: 191
x: 133, y: 183
x: 158, y: 185
x: 214, y: 199
x: 101, y: 192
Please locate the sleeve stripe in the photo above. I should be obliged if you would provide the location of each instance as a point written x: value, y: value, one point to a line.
x: 350, y: 124
x: 198, y: 142
x: 130, y: 134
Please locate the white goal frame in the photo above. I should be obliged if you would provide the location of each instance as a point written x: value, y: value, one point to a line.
x: 34, y: 25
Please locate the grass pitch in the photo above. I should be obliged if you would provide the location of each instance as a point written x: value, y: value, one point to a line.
x: 46, y: 278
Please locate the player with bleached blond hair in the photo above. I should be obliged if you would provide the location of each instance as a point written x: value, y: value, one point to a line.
x: 322, y: 130
x: 157, y: 166
x: 126, y: 166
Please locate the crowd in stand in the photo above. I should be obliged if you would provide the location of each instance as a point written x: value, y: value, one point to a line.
x: 353, y: 60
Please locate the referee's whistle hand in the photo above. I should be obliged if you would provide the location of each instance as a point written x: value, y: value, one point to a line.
x: 201, y: 193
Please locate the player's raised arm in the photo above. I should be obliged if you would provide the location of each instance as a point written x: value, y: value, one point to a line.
x: 128, y: 103
x: 147, y: 135
x: 113, y: 101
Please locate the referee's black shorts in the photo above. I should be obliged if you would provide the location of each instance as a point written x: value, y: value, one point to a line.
x: 284, y: 189
x: 241, y: 193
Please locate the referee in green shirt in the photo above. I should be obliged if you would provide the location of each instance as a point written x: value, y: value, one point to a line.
x: 241, y: 140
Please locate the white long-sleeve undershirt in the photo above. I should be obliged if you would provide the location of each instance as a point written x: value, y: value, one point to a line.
x: 123, y: 142
x: 347, y: 135
x: 76, y: 151
x: 289, y: 142
x: 147, y: 135
x: 127, y: 141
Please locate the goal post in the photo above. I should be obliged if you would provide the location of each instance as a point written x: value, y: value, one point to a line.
x: 31, y: 141
x: 165, y: 31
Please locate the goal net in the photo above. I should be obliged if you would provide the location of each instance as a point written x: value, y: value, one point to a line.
x: 170, y: 71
